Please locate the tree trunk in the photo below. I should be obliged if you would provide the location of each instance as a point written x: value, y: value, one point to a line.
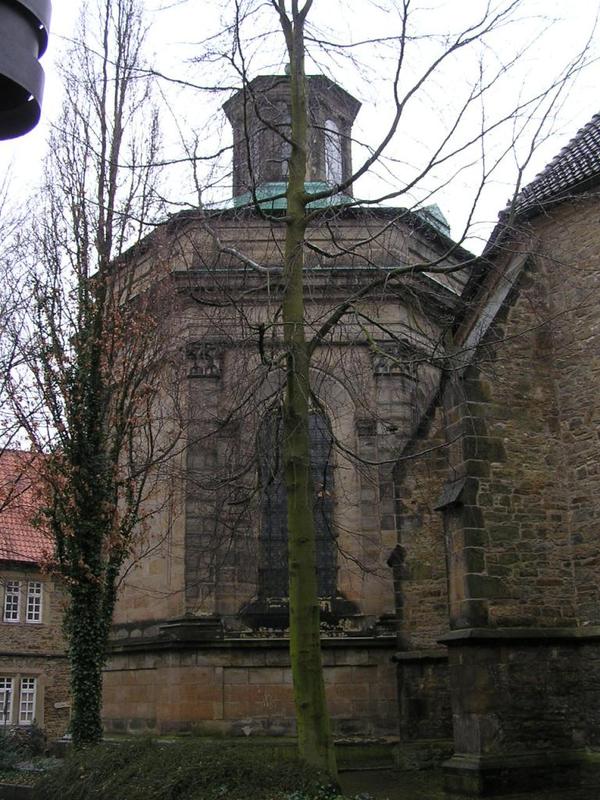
x: 314, y: 736
x: 87, y: 646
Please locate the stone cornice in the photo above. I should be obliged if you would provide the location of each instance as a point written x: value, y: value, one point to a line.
x: 407, y: 656
x: 522, y: 635
x: 246, y: 643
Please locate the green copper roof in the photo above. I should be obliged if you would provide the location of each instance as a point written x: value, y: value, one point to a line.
x: 265, y: 193
x: 271, y: 197
x: 435, y: 216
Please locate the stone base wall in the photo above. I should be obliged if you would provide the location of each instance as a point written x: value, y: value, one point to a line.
x: 525, y: 707
x: 244, y: 686
x: 425, y: 716
x: 424, y: 695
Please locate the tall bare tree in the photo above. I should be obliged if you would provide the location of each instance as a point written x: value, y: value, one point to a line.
x: 96, y: 385
x: 12, y: 220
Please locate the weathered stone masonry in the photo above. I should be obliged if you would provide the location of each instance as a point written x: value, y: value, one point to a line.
x: 173, y: 681
x: 518, y: 508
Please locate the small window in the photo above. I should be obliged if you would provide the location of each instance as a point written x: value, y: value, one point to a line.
x: 11, y: 601
x: 27, y: 701
x: 253, y: 153
x: 6, y: 692
x: 34, y: 601
x: 286, y: 145
x: 333, y: 153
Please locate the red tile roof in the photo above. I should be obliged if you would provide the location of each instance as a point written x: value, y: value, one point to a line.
x: 20, y: 540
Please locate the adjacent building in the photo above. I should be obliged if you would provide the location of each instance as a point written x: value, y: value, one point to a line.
x: 496, y: 568
x: 34, y: 674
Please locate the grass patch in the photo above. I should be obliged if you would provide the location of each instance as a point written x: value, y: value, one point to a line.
x: 190, y: 770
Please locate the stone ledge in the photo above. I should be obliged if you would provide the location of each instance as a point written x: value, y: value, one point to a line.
x: 467, y: 636
x: 420, y: 655
x: 196, y: 629
x: 142, y: 645
x: 471, y: 762
x: 491, y: 775
x: 30, y: 654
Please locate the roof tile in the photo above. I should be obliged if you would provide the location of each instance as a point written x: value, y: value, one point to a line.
x: 571, y: 171
x: 20, y: 540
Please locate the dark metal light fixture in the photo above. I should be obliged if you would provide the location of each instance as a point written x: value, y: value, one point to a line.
x: 24, y: 28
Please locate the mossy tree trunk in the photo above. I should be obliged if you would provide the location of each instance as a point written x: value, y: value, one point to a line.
x: 312, y: 719
x: 81, y: 555
x: 83, y: 515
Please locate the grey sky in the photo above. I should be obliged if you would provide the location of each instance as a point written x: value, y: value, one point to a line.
x: 176, y: 29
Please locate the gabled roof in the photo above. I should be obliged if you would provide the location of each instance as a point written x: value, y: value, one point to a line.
x: 20, y: 540
x: 573, y: 170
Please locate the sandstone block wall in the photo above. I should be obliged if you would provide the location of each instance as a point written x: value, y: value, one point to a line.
x: 245, y: 687
x: 504, y: 503
x: 419, y: 565
x: 570, y: 255
x: 519, y: 515
x: 524, y: 694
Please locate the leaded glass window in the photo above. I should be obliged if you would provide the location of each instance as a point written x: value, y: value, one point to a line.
x: 273, y: 569
x: 333, y: 153
x: 286, y: 145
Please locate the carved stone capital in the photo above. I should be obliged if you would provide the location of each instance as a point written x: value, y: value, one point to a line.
x: 393, y: 358
x: 205, y: 360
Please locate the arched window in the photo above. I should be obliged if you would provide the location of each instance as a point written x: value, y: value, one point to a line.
x: 333, y: 152
x: 286, y: 146
x: 273, y: 555
x: 254, y: 168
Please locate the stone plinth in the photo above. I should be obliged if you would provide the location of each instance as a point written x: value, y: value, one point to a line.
x: 525, y: 709
x: 183, y: 682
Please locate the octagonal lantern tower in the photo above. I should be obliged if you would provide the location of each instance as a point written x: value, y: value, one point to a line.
x: 260, y: 116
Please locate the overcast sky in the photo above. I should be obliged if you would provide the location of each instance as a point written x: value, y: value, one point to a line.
x: 553, y: 30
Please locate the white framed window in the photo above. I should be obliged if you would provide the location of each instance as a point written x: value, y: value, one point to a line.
x: 34, y: 602
x: 6, y: 696
x: 12, y: 592
x: 18, y: 698
x: 27, y: 701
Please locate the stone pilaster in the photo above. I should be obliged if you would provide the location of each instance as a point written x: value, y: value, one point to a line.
x: 201, y: 528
